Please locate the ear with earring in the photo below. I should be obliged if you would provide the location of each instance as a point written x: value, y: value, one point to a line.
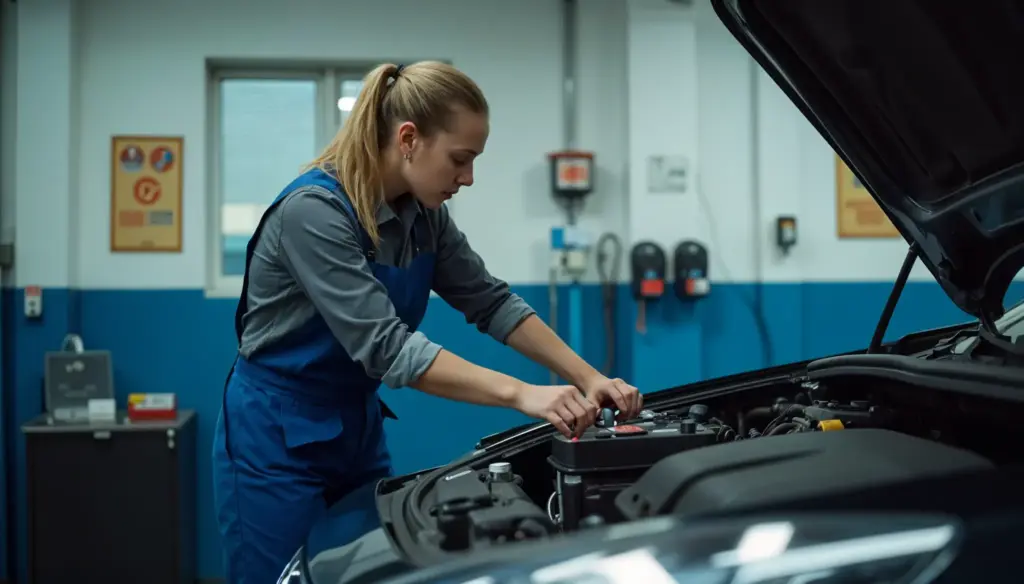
x: 408, y: 156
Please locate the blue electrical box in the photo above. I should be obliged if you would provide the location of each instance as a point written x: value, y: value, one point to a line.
x: 557, y: 238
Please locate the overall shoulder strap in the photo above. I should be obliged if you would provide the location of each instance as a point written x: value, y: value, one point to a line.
x: 313, y: 177
x: 329, y: 182
x: 346, y: 204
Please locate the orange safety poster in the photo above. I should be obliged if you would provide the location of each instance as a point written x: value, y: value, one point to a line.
x: 857, y: 213
x: 145, y: 193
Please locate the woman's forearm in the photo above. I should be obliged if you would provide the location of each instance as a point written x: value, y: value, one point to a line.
x: 452, y: 377
x: 534, y: 339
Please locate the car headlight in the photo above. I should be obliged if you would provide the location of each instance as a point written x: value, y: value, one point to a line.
x: 292, y: 573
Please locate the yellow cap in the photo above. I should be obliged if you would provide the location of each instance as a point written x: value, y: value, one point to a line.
x: 829, y: 425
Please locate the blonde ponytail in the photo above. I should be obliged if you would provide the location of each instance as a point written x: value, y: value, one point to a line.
x: 354, y: 153
x: 425, y: 94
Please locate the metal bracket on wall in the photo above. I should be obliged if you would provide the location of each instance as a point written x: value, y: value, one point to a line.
x: 6, y: 256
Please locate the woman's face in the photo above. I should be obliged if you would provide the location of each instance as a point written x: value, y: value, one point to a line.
x: 439, y: 166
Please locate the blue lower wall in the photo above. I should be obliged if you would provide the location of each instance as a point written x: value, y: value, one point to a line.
x: 182, y: 342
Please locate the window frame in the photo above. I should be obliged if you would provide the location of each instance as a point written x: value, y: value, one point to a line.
x: 328, y: 80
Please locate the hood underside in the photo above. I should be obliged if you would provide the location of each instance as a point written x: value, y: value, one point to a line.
x: 924, y: 100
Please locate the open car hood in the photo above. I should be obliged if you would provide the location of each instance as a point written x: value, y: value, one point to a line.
x: 924, y: 101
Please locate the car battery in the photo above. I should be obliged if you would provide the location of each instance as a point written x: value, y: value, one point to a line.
x: 592, y: 469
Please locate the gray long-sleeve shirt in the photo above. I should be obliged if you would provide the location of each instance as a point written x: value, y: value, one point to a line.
x: 310, y: 260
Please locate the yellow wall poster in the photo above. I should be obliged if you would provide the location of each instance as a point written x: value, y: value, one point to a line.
x: 857, y: 213
x: 146, y: 193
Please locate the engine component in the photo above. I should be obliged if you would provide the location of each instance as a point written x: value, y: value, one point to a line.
x: 628, y: 446
x: 760, y: 475
x: 591, y: 470
x: 500, y: 472
x: 606, y: 419
x: 853, y: 414
x: 481, y: 508
x: 785, y: 417
x: 698, y: 412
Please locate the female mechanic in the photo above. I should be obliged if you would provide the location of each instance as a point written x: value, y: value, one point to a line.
x: 337, y: 279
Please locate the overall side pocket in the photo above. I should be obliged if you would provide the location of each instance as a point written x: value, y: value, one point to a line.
x: 305, y: 424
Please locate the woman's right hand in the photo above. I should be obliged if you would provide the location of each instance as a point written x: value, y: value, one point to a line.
x: 564, y: 406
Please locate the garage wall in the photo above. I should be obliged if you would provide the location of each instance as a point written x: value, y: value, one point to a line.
x: 754, y: 157
x: 8, y: 84
x: 159, y: 80
x: 652, y: 79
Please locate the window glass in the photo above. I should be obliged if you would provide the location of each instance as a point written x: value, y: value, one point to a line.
x: 267, y: 133
x: 348, y: 91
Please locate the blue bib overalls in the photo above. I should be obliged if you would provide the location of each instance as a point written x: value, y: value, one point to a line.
x: 301, y: 424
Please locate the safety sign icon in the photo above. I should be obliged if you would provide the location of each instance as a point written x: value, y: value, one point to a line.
x: 147, y: 191
x: 132, y: 158
x: 162, y: 159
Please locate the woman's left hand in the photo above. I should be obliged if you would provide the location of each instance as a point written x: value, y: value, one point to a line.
x: 604, y: 392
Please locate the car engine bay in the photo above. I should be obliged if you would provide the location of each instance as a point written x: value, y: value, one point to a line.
x: 794, y: 445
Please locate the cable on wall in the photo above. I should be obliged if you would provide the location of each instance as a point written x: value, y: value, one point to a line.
x: 609, y: 292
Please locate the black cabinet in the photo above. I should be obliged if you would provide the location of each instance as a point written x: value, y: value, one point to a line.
x: 111, y: 502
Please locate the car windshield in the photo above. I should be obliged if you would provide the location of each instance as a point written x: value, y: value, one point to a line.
x: 1012, y: 322
x: 1011, y: 325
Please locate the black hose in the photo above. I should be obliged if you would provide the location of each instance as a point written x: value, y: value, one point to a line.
x: 789, y: 412
x: 609, y: 288
x: 744, y: 421
x: 782, y: 428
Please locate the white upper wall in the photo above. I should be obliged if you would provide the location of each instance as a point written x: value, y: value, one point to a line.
x: 690, y: 97
x: 141, y: 70
x: 755, y: 158
x: 8, y: 117
x: 44, y: 152
x: 125, y: 67
x: 798, y: 177
x: 695, y: 92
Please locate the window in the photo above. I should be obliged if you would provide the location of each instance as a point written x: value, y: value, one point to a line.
x: 349, y: 91
x: 265, y: 126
